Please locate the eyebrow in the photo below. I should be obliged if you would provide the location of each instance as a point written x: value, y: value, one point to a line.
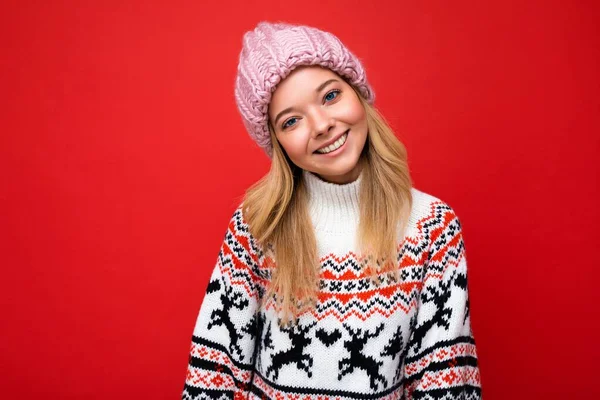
x: 317, y: 90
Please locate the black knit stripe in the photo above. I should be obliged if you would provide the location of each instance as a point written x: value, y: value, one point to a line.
x: 463, y: 361
x: 324, y: 392
x: 221, y: 348
x: 464, y: 392
x: 440, y: 344
x: 191, y: 392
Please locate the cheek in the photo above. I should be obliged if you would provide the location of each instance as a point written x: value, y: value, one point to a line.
x: 293, y: 144
x: 354, y: 113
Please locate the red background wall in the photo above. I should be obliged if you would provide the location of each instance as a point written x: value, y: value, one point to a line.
x: 122, y: 157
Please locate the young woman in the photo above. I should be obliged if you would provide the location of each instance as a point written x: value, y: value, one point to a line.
x: 337, y: 279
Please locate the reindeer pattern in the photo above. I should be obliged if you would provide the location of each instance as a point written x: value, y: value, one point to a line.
x: 374, y: 353
x: 357, y: 359
x: 297, y: 354
x: 221, y: 316
x: 350, y: 350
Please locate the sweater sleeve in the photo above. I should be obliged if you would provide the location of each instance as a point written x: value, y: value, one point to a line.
x: 221, y: 359
x: 441, y: 362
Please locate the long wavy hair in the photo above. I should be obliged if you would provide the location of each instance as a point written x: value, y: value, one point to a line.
x: 276, y: 211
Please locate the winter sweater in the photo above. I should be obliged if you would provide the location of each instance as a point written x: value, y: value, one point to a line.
x: 406, y: 339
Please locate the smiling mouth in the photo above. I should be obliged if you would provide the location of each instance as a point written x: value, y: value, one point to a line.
x: 334, y: 146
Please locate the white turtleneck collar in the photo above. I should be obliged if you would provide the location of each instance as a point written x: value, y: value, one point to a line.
x: 332, y: 207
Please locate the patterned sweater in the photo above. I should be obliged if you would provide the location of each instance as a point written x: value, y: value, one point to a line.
x: 407, y: 339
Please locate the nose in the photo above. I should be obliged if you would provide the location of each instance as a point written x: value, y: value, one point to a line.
x: 321, y: 121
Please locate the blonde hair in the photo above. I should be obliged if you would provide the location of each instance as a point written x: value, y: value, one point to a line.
x: 276, y: 211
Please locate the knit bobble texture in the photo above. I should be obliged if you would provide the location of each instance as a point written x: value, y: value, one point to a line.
x: 270, y: 53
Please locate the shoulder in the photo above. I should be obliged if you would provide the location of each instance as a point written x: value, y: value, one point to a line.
x: 238, y: 222
x: 431, y: 214
x: 247, y: 256
x: 238, y: 231
x: 240, y: 234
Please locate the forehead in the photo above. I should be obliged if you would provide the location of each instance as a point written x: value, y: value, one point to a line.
x: 300, y: 83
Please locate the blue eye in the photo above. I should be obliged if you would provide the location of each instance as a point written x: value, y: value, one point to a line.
x: 290, y: 122
x: 332, y: 95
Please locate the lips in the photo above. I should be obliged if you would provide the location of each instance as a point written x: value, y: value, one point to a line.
x: 332, y: 141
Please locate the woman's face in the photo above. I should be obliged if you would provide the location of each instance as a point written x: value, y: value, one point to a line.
x: 320, y: 123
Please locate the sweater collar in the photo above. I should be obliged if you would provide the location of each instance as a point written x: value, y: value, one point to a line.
x: 332, y: 207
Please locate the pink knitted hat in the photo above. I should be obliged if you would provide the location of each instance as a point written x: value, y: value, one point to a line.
x: 270, y: 53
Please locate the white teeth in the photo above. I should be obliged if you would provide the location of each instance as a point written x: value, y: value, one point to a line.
x: 334, y: 146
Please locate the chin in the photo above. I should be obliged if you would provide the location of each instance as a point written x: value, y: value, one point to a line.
x: 335, y: 173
